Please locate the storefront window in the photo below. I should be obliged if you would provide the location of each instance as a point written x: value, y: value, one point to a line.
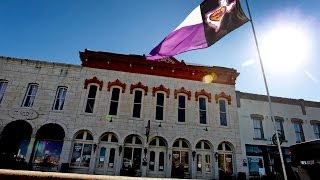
x: 255, y: 166
x: 48, y: 152
x: 82, y: 149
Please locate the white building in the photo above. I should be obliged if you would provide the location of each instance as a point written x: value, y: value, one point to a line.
x: 296, y: 120
x: 94, y: 116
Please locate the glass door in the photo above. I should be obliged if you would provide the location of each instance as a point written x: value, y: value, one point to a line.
x: 156, y: 165
x: 106, y: 160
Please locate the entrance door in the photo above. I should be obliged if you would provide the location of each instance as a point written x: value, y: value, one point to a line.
x: 204, y: 169
x: 157, y: 163
x: 106, y: 160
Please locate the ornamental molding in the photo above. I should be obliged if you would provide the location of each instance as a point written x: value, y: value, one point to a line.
x: 203, y: 93
x: 182, y: 90
x: 23, y: 114
x: 160, y: 88
x: 139, y: 85
x: 117, y: 83
x: 223, y: 95
x: 93, y: 80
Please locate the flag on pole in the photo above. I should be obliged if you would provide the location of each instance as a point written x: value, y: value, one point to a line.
x: 204, y: 26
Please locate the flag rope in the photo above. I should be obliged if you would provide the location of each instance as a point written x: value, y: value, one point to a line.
x: 268, y: 94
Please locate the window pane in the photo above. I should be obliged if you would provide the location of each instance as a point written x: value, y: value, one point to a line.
x: 176, y: 144
x: 136, y: 110
x: 80, y: 135
x: 206, y: 145
x: 222, y: 105
x: 89, y: 137
x: 102, y: 157
x: 185, y: 160
x: 199, y: 162
x: 127, y: 157
x: 137, y: 96
x: 92, y: 91
x: 223, y: 119
x: 181, y: 115
x: 184, y: 145
x: 160, y: 99
x: 3, y: 87
x: 90, y: 106
x: 161, y: 142
x: 104, y: 138
x: 137, y: 158
x: 138, y: 141
x: 202, y: 104
x: 129, y: 140
x: 161, y: 161
x: 30, y: 96
x: 60, y: 97
x: 86, y: 155
x: 115, y: 94
x: 113, y: 108
x: 208, y: 163
x: 182, y: 101
x: 152, y: 160
x: 203, y: 117
x: 198, y: 146
x: 153, y: 142
x: 111, y: 157
x: 76, y: 154
x: 159, y: 113
x: 114, y: 138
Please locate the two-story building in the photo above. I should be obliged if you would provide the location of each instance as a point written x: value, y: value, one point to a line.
x: 121, y: 114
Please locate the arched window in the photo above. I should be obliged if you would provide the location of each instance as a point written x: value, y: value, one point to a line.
x: 132, y: 152
x: 204, y: 158
x: 82, y: 149
x: 157, y: 148
x: 225, y: 157
x: 180, y: 157
x: 107, y: 150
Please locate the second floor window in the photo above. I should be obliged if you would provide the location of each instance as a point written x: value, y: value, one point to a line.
x: 114, y: 102
x: 202, y: 110
x: 316, y: 129
x: 59, y: 99
x: 3, y: 87
x: 258, y: 128
x: 299, y: 132
x: 223, y: 112
x: 279, y: 126
x: 91, y: 99
x: 181, y: 108
x: 160, y: 106
x: 30, y: 95
x: 137, y: 104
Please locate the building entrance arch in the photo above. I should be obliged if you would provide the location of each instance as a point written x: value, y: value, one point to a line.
x: 157, y: 157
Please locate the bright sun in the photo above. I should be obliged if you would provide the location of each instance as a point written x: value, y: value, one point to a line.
x: 284, y: 48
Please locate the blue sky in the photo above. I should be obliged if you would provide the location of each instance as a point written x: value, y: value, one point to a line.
x: 57, y: 30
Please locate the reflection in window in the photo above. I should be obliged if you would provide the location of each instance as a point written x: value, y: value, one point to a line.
x: 30, y: 95
x: 202, y: 110
x: 316, y: 129
x: 3, y: 87
x: 254, y: 164
x: 258, y: 129
x: 225, y: 159
x: 82, y: 149
x: 299, y: 132
x: 160, y: 106
x: 59, y: 99
x: 102, y: 157
x: 114, y: 103
x: 223, y: 113
x: 48, y: 151
x: 279, y: 126
x: 91, y: 99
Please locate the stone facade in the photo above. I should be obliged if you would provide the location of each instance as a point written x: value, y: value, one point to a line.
x: 189, y: 138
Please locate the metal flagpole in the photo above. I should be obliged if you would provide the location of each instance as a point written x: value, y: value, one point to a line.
x: 267, y: 89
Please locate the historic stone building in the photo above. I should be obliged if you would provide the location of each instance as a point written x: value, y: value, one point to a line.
x: 296, y: 120
x: 121, y: 114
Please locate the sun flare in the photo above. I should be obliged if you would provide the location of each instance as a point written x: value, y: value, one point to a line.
x: 284, y: 48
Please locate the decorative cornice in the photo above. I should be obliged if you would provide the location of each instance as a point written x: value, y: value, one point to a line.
x: 223, y: 95
x: 204, y: 93
x: 93, y: 80
x: 117, y: 83
x: 170, y: 67
x: 160, y: 88
x: 182, y: 90
x: 139, y: 85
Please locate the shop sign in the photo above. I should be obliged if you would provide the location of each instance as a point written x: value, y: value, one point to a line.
x: 23, y: 114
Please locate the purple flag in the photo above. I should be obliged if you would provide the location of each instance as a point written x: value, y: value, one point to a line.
x: 204, y: 26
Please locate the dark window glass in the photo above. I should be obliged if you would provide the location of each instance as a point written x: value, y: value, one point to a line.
x: 206, y: 145
x: 152, y: 160
x: 91, y: 99
x: 129, y: 140
x: 182, y: 109
x: 113, y: 138
x: 176, y: 144
x: 159, y: 113
x: 161, y: 161
x: 202, y: 111
x: 80, y: 135
x: 137, y: 104
x: 136, y: 110
x: 138, y: 141
x: 153, y: 142
x: 30, y: 95
x: 182, y: 101
x: 105, y: 138
x: 111, y: 157
x: 160, y: 99
x: 161, y: 142
x: 89, y: 137
x: 223, y: 113
x: 184, y: 144
x: 114, y: 101
x: 160, y: 106
x: 198, y: 146
x: 137, y: 96
x: 60, y: 98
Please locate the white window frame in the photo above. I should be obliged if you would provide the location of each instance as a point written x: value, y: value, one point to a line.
x: 60, y: 98
x: 206, y: 110
x: 316, y: 129
x: 226, y: 112
x: 87, y: 98
x: 281, y: 130
x: 260, y: 128
x: 185, y: 108
x: 300, y: 132
x: 141, y: 104
x: 163, y: 107
x: 119, y: 100
x: 3, y: 87
x: 32, y: 94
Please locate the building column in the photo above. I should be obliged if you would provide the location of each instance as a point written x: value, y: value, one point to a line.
x: 169, y: 163
x: 65, y: 152
x: 30, y: 148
